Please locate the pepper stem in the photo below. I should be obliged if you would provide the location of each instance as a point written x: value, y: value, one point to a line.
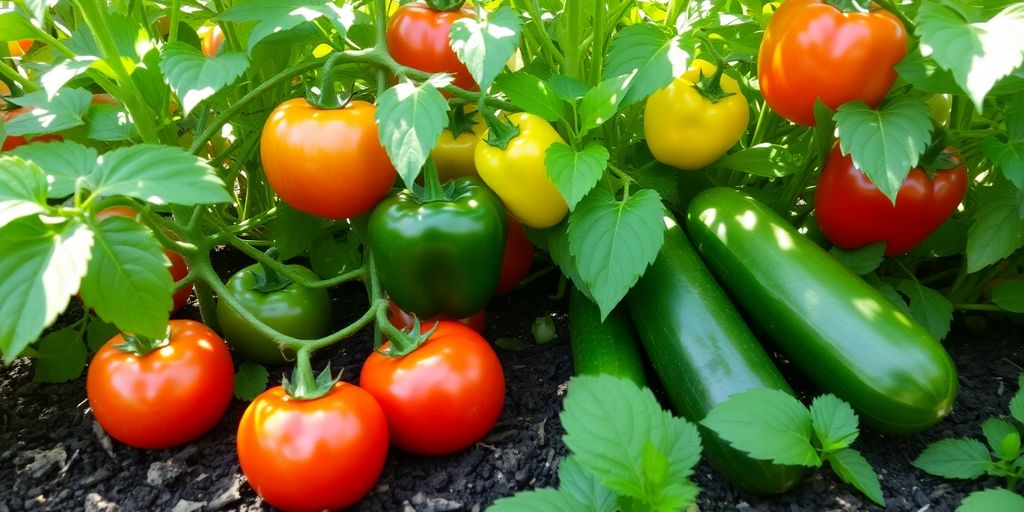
x: 711, y: 87
x: 499, y: 132
x: 329, y: 98
x: 432, y: 190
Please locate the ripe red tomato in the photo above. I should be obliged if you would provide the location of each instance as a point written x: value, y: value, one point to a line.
x: 178, y: 268
x: 418, y: 37
x: 13, y: 141
x: 518, y: 259
x: 168, y: 397
x: 442, y: 397
x: 812, y: 50
x: 404, y: 320
x: 320, y: 454
x: 852, y: 212
x: 328, y: 163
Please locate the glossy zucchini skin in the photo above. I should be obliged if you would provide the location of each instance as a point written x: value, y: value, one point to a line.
x: 834, y: 326
x: 703, y: 353
x: 608, y: 348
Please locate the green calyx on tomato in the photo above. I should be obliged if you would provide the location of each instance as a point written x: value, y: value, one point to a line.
x: 327, y: 96
x: 286, y: 306
x: 140, y: 345
x: 302, y: 385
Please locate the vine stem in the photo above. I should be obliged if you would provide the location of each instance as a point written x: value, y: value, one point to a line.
x: 283, y: 269
x: 11, y: 74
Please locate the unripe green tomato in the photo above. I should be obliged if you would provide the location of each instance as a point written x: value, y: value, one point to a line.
x: 938, y: 108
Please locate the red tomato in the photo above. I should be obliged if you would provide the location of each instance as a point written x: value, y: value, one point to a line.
x: 852, y: 212
x: 812, y: 50
x: 178, y: 268
x: 166, y: 398
x: 442, y: 397
x: 321, y: 454
x: 518, y: 259
x: 211, y: 39
x: 403, y: 320
x: 13, y: 141
x: 418, y: 37
x: 328, y: 163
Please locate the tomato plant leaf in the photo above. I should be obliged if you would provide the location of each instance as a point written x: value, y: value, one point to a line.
x: 63, y: 72
x: 109, y: 123
x: 602, y: 102
x: 928, y: 307
x: 585, y: 487
x: 955, y: 458
x: 567, y: 88
x: 63, y: 163
x: 128, y: 263
x: 979, y: 53
x: 330, y: 257
x: 854, y: 469
x: 98, y: 333
x: 410, y: 118
x: 765, y: 159
x: 834, y: 422
x: 484, y: 46
x: 768, y: 424
x: 948, y: 240
x: 885, y: 143
x: 531, y: 94
x: 294, y: 231
x: 575, y: 172
x: 13, y: 26
x: 1008, y: 157
x: 991, y: 500
x: 1017, y: 402
x: 22, y: 189
x: 613, y: 242
x: 250, y: 380
x: 997, y: 230
x: 926, y: 74
x: 996, y: 432
x: 558, y: 247
x: 652, y: 53
x: 49, y: 115
x: 277, y: 16
x: 60, y: 356
x: 40, y: 268
x: 194, y: 77
x: 158, y: 175
x: 1009, y: 295
x: 863, y: 260
x: 539, y: 500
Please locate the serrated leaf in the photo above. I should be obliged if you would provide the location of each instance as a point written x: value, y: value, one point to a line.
x: 543, y: 329
x: 955, y: 458
x: 978, y: 54
x: 567, y: 88
x: 98, y: 333
x: 63, y: 163
x: 1009, y: 295
x: 330, y: 257
x: 765, y: 159
x: 575, y: 173
x: 613, y: 242
x: 885, y: 143
x: 996, y: 432
x: 60, y: 357
x: 128, y: 283
x: 655, y: 55
x: 602, y: 102
x: 410, y: 118
x: 194, y: 77
x: 854, y: 469
x: 889, y: 292
x: 22, y: 189
x: 539, y: 500
x: 63, y: 72
x: 1008, y: 157
x: 49, y: 115
x: 40, y: 268
x: 586, y: 488
x: 928, y: 307
x: 109, y: 123
x: 159, y: 175
x: 768, y: 424
x: 992, y: 500
x: 250, y: 380
x: 294, y: 231
x: 531, y: 94
x: 996, y: 231
x: 485, y: 46
x: 557, y: 241
x: 926, y: 74
x: 277, y: 16
x: 863, y: 260
x: 834, y: 422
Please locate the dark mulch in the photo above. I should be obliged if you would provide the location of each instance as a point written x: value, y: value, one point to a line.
x: 53, y: 456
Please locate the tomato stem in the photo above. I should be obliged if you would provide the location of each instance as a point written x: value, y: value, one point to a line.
x: 328, y: 98
x: 9, y: 73
x: 499, y: 131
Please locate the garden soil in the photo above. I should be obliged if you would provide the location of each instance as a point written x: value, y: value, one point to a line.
x: 54, y: 456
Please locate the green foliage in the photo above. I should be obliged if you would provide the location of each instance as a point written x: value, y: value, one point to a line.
x: 50, y: 114
x: 60, y: 356
x: 532, y: 94
x: 250, y: 380
x: 195, y: 77
x: 409, y: 119
x: 1009, y: 295
x: 997, y: 230
x: 276, y: 16
x: 928, y: 307
x: 485, y: 45
x: 765, y: 160
x: 863, y: 260
x: 652, y: 53
x: 576, y: 173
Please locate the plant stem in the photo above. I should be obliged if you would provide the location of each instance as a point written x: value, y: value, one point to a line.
x: 597, y: 56
x: 172, y: 34
x: 11, y: 74
x: 283, y: 269
x: 977, y: 307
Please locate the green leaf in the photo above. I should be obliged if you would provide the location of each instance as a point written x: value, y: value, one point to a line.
x: 1008, y: 157
x: 276, y: 16
x: 928, y: 307
x: 885, y: 143
x: 997, y: 230
x: 14, y: 26
x: 98, y: 333
x: 63, y: 72
x: 955, y: 458
x: 128, y: 283
x: 613, y: 242
x: 1009, y: 295
x: 602, y: 102
x: 60, y: 357
x: 485, y: 46
x: 768, y: 424
x: 410, y: 118
x: 109, y: 123
x: 576, y: 172
x: 294, y: 231
x: 1017, y: 402
x: 586, y: 488
x: 194, y: 77
x: 539, y: 500
x: 567, y: 88
x: 330, y: 257
x: 948, y: 240
x: 926, y: 74
x: 889, y: 292
x: 992, y: 500
x: 63, y: 163
x: 49, y: 115
x: 40, y: 268
x: 250, y: 381
x: 22, y: 189
x: 1002, y: 438
x: 765, y: 159
x: 655, y: 55
x: 863, y: 260
x: 978, y: 54
x: 531, y: 94
x: 834, y: 422
x: 159, y: 175
x: 854, y: 469
x: 543, y: 329
x: 557, y: 240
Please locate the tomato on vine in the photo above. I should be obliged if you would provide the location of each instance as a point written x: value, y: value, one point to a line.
x: 418, y: 37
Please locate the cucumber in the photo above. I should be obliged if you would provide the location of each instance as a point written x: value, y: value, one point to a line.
x: 703, y: 353
x: 834, y: 326
x: 608, y: 348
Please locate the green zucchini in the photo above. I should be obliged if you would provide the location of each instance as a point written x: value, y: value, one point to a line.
x: 703, y: 353
x: 603, y: 348
x: 834, y: 326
